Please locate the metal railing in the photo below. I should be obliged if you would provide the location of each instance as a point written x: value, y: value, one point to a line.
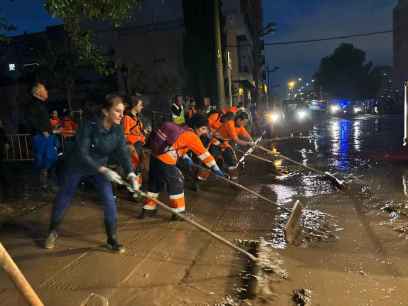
x: 21, y: 145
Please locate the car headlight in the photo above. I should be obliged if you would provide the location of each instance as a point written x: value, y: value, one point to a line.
x: 357, y: 110
x: 274, y: 117
x: 302, y: 114
x: 334, y: 109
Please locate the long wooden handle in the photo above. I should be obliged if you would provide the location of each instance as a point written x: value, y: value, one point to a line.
x: 197, y: 225
x: 18, y: 278
x: 204, y: 229
x: 340, y: 184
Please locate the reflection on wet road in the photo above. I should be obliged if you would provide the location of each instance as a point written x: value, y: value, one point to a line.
x: 344, y: 147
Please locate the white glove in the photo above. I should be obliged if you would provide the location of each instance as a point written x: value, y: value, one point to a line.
x: 112, y: 176
x: 251, y: 143
x: 134, y: 184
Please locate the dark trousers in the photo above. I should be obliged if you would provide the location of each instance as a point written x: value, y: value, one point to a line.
x: 67, y: 191
x: 227, y: 155
x: 166, y: 176
x: 139, y: 150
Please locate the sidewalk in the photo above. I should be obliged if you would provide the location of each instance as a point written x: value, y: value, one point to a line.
x: 166, y: 263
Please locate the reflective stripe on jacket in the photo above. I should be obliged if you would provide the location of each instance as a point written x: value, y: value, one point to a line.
x: 185, y: 142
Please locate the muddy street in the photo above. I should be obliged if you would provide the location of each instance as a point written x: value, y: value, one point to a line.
x: 349, y: 253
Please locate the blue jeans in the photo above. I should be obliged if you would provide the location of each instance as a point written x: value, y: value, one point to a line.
x: 67, y: 190
x: 45, y: 151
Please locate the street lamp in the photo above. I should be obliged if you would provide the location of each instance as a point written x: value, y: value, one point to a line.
x: 291, y: 84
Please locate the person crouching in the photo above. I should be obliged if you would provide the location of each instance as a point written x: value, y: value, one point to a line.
x: 163, y: 169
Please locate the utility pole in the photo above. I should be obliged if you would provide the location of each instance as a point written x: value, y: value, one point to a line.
x: 229, y: 67
x: 218, y: 55
x: 268, y: 79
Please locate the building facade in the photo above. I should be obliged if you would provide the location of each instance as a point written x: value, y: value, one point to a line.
x: 400, y: 29
x: 243, y: 24
x: 168, y: 47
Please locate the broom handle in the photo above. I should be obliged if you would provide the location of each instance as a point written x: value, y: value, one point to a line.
x: 243, y: 188
x: 205, y: 229
x: 198, y: 225
x: 18, y: 278
x: 298, y: 163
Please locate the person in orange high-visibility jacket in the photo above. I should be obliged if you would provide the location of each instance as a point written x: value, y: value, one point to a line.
x: 214, y: 121
x: 68, y: 126
x: 55, y: 121
x: 232, y: 131
x: 230, y: 109
x: 135, y: 135
x: 211, y: 143
x: 164, y: 171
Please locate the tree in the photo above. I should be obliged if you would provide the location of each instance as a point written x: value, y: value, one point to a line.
x: 346, y: 74
x: 5, y: 27
x: 59, y: 63
x: 75, y: 12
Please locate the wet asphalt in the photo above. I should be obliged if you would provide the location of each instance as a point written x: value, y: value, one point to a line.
x: 361, y: 262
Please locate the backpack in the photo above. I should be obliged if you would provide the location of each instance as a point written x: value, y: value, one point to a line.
x: 165, y: 136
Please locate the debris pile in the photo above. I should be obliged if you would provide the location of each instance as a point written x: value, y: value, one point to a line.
x: 394, y: 208
x: 257, y: 279
x: 302, y: 297
x: 402, y: 229
x: 316, y: 226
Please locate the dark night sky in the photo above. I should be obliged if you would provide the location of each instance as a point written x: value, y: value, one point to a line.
x: 296, y: 19
x: 309, y: 19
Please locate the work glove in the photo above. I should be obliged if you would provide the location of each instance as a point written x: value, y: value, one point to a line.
x: 217, y: 171
x: 112, y: 176
x: 251, y: 143
x: 134, y: 184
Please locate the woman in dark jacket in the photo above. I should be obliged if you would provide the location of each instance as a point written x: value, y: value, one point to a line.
x: 96, y: 141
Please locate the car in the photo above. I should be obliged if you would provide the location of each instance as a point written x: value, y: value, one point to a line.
x: 291, y: 118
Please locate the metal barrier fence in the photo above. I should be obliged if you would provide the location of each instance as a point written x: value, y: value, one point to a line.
x: 21, y: 145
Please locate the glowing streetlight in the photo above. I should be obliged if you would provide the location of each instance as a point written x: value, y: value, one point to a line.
x: 291, y: 84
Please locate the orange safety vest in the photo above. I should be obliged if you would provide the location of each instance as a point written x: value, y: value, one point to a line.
x: 232, y: 109
x: 185, y: 142
x: 55, y: 122
x: 68, y: 127
x: 229, y: 131
x: 133, y: 129
x: 214, y: 121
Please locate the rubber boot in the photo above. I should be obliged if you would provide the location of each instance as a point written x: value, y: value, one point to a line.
x: 112, y: 241
x: 147, y: 213
x: 52, y: 236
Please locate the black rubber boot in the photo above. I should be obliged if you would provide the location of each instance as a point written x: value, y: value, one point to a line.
x: 112, y: 242
x: 147, y: 213
x: 52, y: 236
